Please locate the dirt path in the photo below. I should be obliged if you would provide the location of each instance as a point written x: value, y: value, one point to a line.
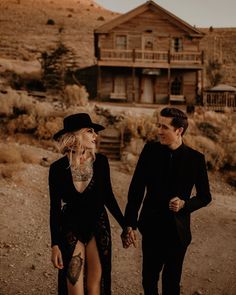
x: 210, y: 266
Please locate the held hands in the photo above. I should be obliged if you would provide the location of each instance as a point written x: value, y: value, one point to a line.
x: 128, y: 237
x: 176, y: 204
x: 56, y: 257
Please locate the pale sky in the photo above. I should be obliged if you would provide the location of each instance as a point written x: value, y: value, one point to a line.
x: 201, y: 13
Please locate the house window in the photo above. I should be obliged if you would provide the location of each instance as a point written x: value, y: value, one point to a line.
x: 121, y: 41
x: 176, y: 86
x: 149, y: 45
x: 177, y: 44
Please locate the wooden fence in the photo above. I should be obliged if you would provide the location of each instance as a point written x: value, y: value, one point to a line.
x: 219, y: 101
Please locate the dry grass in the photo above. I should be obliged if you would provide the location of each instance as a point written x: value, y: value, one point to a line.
x: 10, y: 155
x: 75, y: 95
x: 7, y: 171
x: 212, y: 133
x: 17, y: 154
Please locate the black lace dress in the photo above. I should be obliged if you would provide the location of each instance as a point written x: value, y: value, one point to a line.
x: 80, y: 216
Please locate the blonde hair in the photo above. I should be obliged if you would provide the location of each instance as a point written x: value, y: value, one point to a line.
x: 71, y: 143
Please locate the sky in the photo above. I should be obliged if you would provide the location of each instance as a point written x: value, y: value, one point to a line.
x: 201, y: 13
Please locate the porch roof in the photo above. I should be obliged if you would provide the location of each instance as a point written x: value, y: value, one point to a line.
x: 222, y: 88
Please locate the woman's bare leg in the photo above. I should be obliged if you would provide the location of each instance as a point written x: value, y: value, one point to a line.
x: 94, y: 268
x: 75, y: 273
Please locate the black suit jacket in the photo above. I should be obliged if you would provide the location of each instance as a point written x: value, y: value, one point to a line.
x: 160, y: 175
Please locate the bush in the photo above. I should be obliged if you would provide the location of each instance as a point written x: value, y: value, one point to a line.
x: 209, y: 130
x: 75, y: 95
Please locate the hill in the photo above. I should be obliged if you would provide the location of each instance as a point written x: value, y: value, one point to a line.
x: 30, y: 27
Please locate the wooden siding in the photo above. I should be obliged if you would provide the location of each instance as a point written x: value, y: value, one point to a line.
x: 189, y: 87
x: 150, y: 20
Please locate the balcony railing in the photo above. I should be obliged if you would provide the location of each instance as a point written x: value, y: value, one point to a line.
x: 136, y: 55
x: 219, y: 101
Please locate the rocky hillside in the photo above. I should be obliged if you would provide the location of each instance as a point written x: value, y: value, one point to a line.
x: 30, y: 27
x: 220, y: 45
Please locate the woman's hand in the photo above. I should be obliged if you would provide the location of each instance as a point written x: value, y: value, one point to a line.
x: 128, y: 237
x: 56, y: 257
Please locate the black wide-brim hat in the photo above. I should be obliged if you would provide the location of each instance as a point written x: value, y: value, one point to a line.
x: 76, y: 122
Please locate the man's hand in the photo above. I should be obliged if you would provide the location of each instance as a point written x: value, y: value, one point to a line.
x: 56, y: 257
x: 176, y: 204
x: 128, y: 237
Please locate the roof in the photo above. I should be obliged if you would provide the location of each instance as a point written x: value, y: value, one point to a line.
x: 223, y: 87
x: 105, y: 28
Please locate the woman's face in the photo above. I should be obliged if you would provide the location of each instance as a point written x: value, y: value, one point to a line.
x: 87, y: 137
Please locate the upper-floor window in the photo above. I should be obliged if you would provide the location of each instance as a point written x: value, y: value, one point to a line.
x: 148, y: 43
x: 121, y: 41
x: 176, y: 86
x: 177, y: 44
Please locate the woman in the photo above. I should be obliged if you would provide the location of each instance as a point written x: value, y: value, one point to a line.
x: 80, y: 188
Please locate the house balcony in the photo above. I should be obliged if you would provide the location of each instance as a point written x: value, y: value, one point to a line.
x: 151, y: 59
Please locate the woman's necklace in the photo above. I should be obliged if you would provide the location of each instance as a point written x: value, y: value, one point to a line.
x: 83, y: 171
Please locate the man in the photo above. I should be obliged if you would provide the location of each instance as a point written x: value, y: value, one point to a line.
x: 166, y: 173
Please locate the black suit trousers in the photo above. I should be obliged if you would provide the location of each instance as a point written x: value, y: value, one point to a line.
x: 165, y: 254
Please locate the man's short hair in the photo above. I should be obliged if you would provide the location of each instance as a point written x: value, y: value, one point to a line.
x: 179, y: 118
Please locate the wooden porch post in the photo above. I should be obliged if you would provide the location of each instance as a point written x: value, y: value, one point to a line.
x: 133, y: 84
x: 99, y: 83
x: 169, y: 73
x: 169, y: 80
x: 202, y: 83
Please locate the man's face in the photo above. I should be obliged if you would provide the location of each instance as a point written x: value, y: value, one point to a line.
x: 168, y: 135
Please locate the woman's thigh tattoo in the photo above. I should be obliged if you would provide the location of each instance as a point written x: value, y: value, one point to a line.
x: 75, y: 268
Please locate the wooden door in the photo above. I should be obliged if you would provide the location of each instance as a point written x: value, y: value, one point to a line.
x: 119, y: 88
x: 147, y: 90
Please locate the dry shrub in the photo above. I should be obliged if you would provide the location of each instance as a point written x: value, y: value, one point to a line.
x: 135, y: 146
x: 17, y: 154
x: 231, y: 178
x: 216, y: 118
x: 75, y: 95
x: 221, y: 128
x: 47, y: 127
x: 230, y: 150
x: 192, y: 127
x: 8, y: 171
x: 14, y: 103
x: 140, y: 127
x: 43, y: 109
x: 23, y: 123
x: 29, y: 156
x: 10, y: 154
x: 209, y: 130
x: 214, y: 153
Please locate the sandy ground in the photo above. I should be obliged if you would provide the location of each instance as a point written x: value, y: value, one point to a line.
x: 209, y: 269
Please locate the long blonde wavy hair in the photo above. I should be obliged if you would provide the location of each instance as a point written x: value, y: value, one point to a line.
x: 71, y: 144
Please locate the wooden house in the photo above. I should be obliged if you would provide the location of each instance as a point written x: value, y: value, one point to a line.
x: 149, y: 55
